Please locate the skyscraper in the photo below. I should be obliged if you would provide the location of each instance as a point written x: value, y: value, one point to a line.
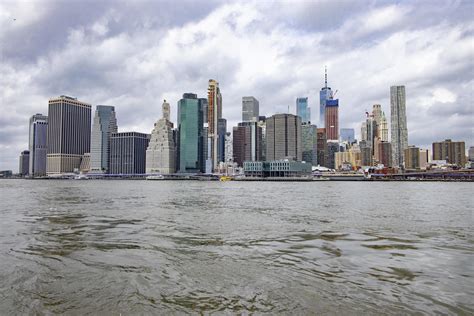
x: 247, y: 142
x: 309, y: 138
x: 322, y: 146
x: 221, y: 131
x: 104, y: 124
x: 38, y: 145
x: 398, y: 124
x: 377, y: 113
x: 384, y: 153
x: 383, y: 128
x: 69, y: 134
x: 332, y: 149
x: 190, y: 129
x: 347, y: 135
x: 303, y: 110
x: 250, y: 109
x: 203, y: 104
x: 24, y: 161
x: 324, y: 95
x: 161, y: 151
x: 332, y: 119
x: 214, y: 98
x: 128, y: 152
x: 284, y: 137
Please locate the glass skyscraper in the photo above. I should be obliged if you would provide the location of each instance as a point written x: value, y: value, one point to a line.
x: 190, y: 129
x: 104, y: 124
x: 303, y: 110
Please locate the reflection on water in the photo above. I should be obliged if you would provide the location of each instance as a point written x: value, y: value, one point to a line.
x: 177, y: 247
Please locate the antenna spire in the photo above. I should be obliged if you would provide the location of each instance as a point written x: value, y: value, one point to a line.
x: 325, y: 77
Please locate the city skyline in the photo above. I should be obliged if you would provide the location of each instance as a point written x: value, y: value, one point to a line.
x: 435, y: 69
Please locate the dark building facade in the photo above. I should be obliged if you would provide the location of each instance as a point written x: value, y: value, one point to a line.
x: 247, y: 142
x: 385, y: 153
x: 69, y: 134
x: 221, y: 131
x: 128, y: 152
x: 332, y: 149
x: 366, y: 156
x: 38, y: 144
x: 24, y: 166
x: 322, y: 146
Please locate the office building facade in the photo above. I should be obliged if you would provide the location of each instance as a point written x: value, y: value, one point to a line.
x: 399, y: 131
x: 322, y: 146
x: 309, y: 139
x: 283, y: 137
x: 384, y: 154
x: 331, y: 120
x: 247, y: 142
x: 250, y: 109
x: 103, y: 126
x: 24, y: 163
x: 452, y: 152
x: 128, y: 152
x: 412, y: 158
x: 69, y: 134
x: 303, y: 110
x: 38, y: 145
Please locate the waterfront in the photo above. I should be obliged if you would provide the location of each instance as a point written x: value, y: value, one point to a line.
x: 111, y: 247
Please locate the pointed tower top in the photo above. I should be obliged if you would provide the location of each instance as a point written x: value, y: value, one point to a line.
x: 165, y: 107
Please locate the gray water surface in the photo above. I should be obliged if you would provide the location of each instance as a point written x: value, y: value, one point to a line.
x: 161, y: 247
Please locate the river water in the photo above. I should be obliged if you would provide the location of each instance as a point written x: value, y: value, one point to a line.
x: 173, y: 247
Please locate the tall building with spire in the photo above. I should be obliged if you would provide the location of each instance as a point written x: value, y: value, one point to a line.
x: 214, y: 99
x: 104, y: 124
x: 324, y: 95
x: 399, y: 131
x: 161, y: 151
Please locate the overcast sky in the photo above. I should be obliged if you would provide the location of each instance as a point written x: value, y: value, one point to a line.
x: 133, y: 56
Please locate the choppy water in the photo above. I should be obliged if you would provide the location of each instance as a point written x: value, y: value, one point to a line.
x: 140, y: 247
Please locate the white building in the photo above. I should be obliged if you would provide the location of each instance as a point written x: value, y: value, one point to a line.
x: 161, y: 152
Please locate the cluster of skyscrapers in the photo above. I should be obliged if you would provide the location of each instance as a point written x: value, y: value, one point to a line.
x: 66, y: 142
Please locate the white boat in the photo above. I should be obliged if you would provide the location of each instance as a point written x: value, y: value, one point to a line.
x: 80, y: 177
x: 156, y: 177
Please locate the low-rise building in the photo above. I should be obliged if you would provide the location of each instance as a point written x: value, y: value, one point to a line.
x: 277, y: 168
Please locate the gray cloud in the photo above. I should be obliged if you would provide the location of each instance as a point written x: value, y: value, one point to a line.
x: 133, y: 56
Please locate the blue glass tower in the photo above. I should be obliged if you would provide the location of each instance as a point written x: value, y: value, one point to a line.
x: 303, y: 110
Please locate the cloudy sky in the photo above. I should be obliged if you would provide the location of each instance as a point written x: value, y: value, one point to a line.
x: 134, y: 55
